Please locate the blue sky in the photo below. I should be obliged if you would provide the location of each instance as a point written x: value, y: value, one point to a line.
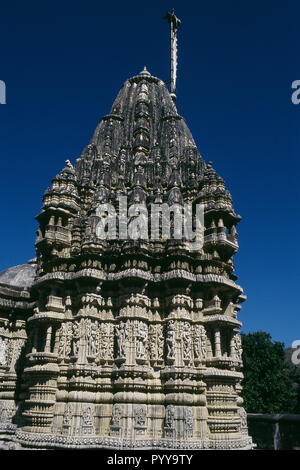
x: 63, y: 64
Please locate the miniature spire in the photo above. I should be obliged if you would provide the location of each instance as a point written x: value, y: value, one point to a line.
x: 69, y: 164
x: 174, y: 23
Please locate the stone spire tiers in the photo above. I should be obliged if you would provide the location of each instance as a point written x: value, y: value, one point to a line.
x: 128, y: 341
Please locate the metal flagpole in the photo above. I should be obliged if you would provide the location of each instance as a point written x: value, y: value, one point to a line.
x: 174, y: 23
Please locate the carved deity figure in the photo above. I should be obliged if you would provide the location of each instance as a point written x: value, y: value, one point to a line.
x: 152, y: 342
x: 203, y: 341
x: 122, y: 331
x: 199, y: 342
x: 170, y: 340
x: 186, y: 341
x: 243, y: 416
x: 170, y: 416
x: 106, y: 342
x: 92, y: 337
x: 76, y: 338
x: 68, y: 415
x: 141, y: 340
x: 87, y: 416
x: 156, y: 342
x: 238, y: 347
x: 188, y: 421
x: 116, y: 416
x: 140, y: 416
x: 160, y: 341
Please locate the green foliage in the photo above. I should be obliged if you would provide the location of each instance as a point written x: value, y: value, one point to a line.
x: 270, y: 385
x: 295, y: 374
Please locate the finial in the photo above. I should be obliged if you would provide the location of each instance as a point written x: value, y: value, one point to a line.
x: 174, y: 23
x: 145, y: 72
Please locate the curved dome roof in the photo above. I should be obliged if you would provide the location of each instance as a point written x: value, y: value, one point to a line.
x: 21, y: 275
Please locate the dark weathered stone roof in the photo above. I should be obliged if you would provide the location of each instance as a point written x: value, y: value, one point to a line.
x: 21, y: 275
x: 142, y: 150
x: 143, y: 129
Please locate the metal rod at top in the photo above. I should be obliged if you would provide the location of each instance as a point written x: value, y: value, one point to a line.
x: 174, y: 23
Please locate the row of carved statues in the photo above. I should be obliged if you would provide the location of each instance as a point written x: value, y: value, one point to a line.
x: 176, y: 342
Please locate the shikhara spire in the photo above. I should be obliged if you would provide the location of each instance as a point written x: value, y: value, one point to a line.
x: 174, y: 23
x: 126, y: 343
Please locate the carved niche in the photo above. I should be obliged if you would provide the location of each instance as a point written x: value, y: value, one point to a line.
x: 199, y: 342
x: 115, y: 423
x: 156, y: 344
x: 141, y: 339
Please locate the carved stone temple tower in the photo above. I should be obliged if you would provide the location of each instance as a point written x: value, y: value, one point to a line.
x: 126, y: 343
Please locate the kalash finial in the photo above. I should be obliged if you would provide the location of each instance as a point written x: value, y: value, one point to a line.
x: 145, y: 72
x: 174, y: 23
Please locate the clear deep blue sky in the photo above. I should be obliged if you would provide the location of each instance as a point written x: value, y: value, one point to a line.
x: 64, y: 63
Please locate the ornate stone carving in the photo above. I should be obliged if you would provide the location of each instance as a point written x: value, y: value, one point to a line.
x: 141, y: 338
x: 65, y: 338
x: 140, y: 414
x: 116, y: 415
x: 68, y: 415
x: 76, y: 337
x: 170, y: 421
x: 188, y: 422
x: 171, y: 341
x: 199, y: 343
x: 237, y: 347
x: 122, y: 335
x: 87, y: 416
x: 156, y: 344
x: 13, y: 352
x: 9, y: 351
x: 243, y: 415
x: 87, y: 420
x: 115, y: 423
x: 186, y: 338
x: 2, y: 352
x: 92, y: 338
x: 68, y: 419
x: 7, y: 411
x: 130, y: 337
x: 106, y: 342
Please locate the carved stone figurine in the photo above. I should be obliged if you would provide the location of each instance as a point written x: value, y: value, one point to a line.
x: 121, y: 333
x: 170, y: 340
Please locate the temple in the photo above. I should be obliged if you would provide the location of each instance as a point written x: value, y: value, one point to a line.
x: 126, y: 342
